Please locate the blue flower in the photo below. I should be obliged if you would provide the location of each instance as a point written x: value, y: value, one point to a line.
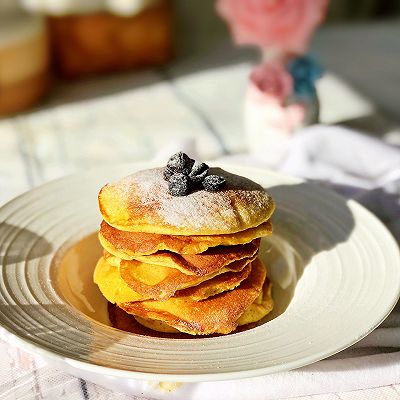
x: 305, y: 71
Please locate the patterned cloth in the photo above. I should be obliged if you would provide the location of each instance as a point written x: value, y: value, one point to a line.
x: 24, y: 377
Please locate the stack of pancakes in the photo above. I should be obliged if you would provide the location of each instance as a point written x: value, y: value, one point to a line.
x: 185, y: 264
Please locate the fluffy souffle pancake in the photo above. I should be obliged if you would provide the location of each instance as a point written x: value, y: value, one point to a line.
x: 141, y: 202
x: 181, y: 250
x: 216, y: 314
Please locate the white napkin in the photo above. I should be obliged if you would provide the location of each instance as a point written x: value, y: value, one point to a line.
x: 354, y: 164
x: 357, y: 166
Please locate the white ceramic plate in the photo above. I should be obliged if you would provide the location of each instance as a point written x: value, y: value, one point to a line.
x: 334, y: 266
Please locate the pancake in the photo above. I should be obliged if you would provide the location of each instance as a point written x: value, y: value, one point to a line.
x: 111, y: 259
x: 219, y: 284
x: 108, y: 278
x: 128, y: 245
x: 141, y: 203
x: 261, y: 307
x: 217, y: 314
x: 113, y: 288
x: 205, y: 263
x: 121, y: 320
x: 160, y: 283
x: 156, y: 325
x: 201, y: 264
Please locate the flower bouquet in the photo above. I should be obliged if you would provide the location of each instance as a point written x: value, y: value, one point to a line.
x: 281, y: 95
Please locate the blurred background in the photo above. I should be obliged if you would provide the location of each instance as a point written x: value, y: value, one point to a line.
x: 86, y: 84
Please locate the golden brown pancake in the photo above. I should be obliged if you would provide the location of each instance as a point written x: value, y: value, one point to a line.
x: 217, y: 314
x: 113, y: 288
x: 219, y: 284
x: 108, y: 278
x: 121, y: 320
x: 156, y: 325
x: 128, y: 245
x: 204, y: 263
x: 160, y: 283
x: 261, y: 307
x: 141, y: 203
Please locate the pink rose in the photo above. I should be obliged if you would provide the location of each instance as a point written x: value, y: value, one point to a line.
x: 270, y: 82
x: 286, y: 25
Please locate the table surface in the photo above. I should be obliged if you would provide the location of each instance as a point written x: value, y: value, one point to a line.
x: 127, y: 117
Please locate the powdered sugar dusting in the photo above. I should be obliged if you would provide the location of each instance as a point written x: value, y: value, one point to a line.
x: 239, y: 204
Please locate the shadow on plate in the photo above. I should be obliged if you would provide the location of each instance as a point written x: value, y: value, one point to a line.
x: 21, y: 244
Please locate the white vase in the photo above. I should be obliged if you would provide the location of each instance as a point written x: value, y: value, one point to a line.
x: 311, y: 107
x: 269, y: 123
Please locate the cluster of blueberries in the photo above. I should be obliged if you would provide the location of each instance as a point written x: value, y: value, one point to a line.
x: 185, y: 174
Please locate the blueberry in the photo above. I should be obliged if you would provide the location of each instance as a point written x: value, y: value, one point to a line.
x: 179, y: 185
x: 199, y: 172
x: 167, y: 173
x: 180, y: 162
x: 213, y: 183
